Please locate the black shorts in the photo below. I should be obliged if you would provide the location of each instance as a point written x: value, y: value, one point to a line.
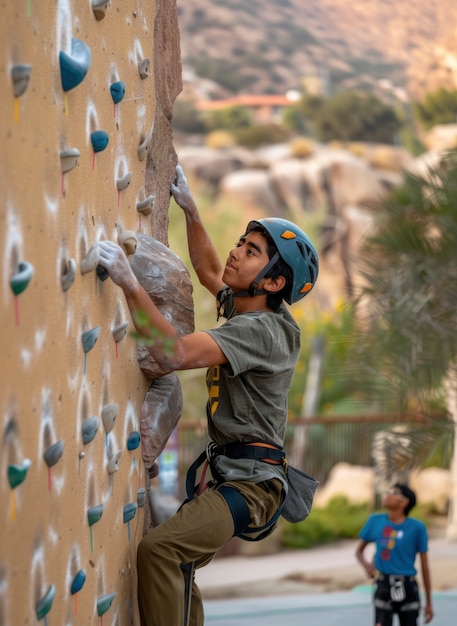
x: 398, y: 595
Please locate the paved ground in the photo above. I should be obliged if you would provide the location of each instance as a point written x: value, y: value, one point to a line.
x: 317, y: 587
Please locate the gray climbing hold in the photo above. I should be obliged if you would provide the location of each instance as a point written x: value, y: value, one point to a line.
x: 53, y: 454
x: 143, y: 68
x: 113, y: 462
x: 89, y: 429
x: 20, y: 75
x: 145, y: 206
x: 69, y: 159
x: 124, y: 181
x: 109, y: 415
x: 99, y: 8
x: 127, y: 239
x: 120, y: 331
x: 89, y: 338
x: 68, y: 274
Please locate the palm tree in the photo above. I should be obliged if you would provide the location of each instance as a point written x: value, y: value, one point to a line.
x: 407, y: 308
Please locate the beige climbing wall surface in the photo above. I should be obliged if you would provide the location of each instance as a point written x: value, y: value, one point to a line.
x: 79, y: 113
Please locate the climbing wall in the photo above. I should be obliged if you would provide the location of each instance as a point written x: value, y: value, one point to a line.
x: 86, y: 154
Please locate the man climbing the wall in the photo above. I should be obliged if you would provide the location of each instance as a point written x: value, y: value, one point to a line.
x: 250, y: 361
x: 398, y: 540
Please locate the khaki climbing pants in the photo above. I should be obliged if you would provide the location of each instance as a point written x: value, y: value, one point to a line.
x: 194, y: 534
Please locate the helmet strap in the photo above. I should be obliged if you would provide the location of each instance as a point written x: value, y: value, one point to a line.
x: 252, y: 289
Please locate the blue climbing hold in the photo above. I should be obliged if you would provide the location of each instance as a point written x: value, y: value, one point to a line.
x: 133, y: 440
x: 78, y: 582
x: 74, y: 66
x: 117, y: 91
x: 99, y: 140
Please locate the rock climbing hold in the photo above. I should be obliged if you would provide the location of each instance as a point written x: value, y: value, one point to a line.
x: 17, y: 473
x: 74, y: 67
x: 89, y: 429
x: 102, y: 273
x: 78, y: 582
x: 104, y: 603
x: 143, y: 68
x: 124, y: 181
x: 90, y: 261
x: 68, y: 274
x: 117, y: 91
x: 109, y: 415
x: 53, y: 454
x: 127, y: 239
x: 20, y: 280
x: 20, y: 75
x: 141, y: 496
x: 120, y: 331
x: 94, y: 514
x: 130, y: 511
x: 113, y: 462
x: 144, y: 146
x: 99, y: 8
x: 89, y: 338
x: 133, y: 440
x: 69, y: 159
x: 99, y: 139
x: 145, y: 206
x: 44, y: 605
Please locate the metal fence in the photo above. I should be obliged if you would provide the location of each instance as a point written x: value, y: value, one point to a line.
x: 317, y: 444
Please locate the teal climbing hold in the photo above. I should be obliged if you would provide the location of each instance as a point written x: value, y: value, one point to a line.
x: 44, y: 605
x: 130, y: 511
x: 89, y: 338
x: 94, y: 514
x: 17, y: 473
x: 78, y: 582
x: 19, y: 282
x: 104, y: 603
x: 99, y: 139
x: 117, y: 91
x: 74, y: 67
x: 53, y: 453
x: 133, y: 440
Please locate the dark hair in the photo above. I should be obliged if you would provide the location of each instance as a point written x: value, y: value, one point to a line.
x: 280, y: 268
x: 408, y: 493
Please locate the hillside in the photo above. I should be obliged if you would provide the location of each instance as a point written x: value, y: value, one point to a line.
x: 271, y: 46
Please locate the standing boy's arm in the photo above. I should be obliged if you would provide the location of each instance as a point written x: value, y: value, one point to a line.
x: 203, y: 255
x: 428, y: 611
x: 367, y: 565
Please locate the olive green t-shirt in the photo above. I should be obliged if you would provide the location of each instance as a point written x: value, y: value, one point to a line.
x: 247, y: 397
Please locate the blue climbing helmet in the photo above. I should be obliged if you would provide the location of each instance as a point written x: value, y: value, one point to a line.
x: 296, y: 250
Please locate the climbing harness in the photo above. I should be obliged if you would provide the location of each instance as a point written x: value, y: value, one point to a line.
x: 259, y: 451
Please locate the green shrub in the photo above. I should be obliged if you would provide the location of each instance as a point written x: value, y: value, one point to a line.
x: 339, y: 520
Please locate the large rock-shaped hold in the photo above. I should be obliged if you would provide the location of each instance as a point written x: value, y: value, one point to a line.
x: 167, y: 281
x: 160, y: 413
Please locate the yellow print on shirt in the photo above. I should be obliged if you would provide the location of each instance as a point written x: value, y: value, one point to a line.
x: 213, y: 377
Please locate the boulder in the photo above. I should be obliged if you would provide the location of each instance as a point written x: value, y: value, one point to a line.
x: 355, y: 482
x: 167, y: 281
x: 160, y: 413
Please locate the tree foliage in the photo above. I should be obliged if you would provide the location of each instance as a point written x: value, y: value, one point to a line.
x: 438, y: 107
x: 408, y: 305
x: 350, y: 116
